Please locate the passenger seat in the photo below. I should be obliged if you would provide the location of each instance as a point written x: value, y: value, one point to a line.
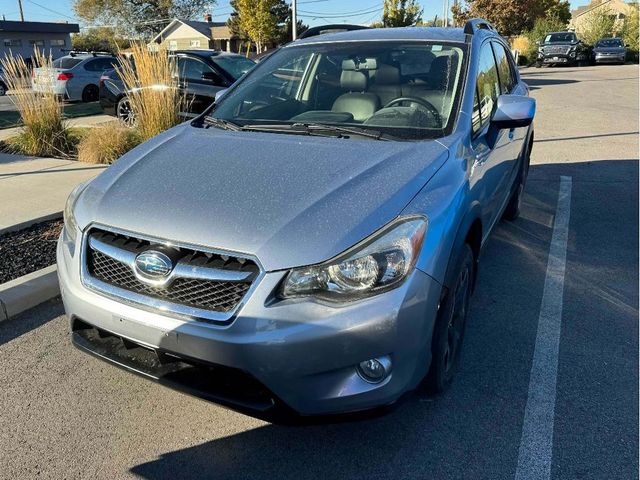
x: 357, y: 101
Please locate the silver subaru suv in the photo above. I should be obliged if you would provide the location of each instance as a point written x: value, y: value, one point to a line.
x: 309, y: 244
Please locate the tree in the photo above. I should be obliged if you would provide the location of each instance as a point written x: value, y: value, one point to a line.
x: 598, y: 23
x: 144, y: 17
x: 401, y: 13
x: 257, y: 20
x: 102, y: 39
x: 512, y: 17
x: 282, y: 13
x: 630, y: 30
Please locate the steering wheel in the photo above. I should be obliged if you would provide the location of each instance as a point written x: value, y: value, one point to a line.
x: 420, y: 101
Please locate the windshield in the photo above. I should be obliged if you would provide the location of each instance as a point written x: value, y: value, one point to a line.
x: 66, y: 62
x: 234, y: 66
x: 406, y: 90
x: 560, y: 38
x: 609, y: 42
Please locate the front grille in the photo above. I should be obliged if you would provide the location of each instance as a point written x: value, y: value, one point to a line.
x: 111, y: 257
x: 557, y: 50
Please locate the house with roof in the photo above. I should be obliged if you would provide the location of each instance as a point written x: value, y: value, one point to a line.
x: 619, y: 9
x: 21, y: 38
x: 190, y: 34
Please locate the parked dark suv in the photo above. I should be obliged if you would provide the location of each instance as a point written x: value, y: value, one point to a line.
x: 202, y: 74
x: 563, y: 48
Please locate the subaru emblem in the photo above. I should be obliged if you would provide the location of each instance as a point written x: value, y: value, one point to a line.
x: 153, y: 265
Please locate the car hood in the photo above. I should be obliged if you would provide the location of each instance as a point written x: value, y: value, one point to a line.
x: 288, y: 200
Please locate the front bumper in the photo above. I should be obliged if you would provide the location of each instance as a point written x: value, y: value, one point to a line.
x: 608, y: 58
x: 556, y: 58
x: 301, y: 352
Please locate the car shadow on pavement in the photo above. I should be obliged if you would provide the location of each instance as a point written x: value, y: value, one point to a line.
x: 473, y: 430
x: 30, y: 320
x: 535, y: 83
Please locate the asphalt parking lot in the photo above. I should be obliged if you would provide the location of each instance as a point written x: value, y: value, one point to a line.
x: 66, y: 415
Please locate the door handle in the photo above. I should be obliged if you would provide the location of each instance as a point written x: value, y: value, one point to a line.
x: 511, y: 134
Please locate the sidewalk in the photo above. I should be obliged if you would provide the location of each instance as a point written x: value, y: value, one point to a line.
x: 90, y: 121
x: 32, y: 187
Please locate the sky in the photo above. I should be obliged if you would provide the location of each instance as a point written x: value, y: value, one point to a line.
x: 312, y: 12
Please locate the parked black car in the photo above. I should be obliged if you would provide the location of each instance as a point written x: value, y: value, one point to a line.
x: 3, y: 85
x: 563, y: 48
x: 609, y: 50
x: 202, y: 73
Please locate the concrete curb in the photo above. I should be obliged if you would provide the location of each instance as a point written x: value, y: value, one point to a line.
x: 28, y: 223
x: 28, y: 291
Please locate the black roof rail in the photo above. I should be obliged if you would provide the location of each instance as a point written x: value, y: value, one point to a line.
x: 337, y: 27
x: 73, y: 52
x: 475, y: 24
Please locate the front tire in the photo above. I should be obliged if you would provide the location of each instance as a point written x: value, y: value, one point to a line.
x: 448, y: 332
x: 3, y: 89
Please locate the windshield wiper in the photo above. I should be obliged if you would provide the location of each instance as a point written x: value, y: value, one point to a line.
x: 363, y: 132
x: 316, y: 129
x: 210, y: 121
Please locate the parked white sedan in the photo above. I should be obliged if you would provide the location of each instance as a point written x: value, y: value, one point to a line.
x: 75, y: 76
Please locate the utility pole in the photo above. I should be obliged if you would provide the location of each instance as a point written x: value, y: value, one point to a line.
x: 21, y: 12
x: 294, y: 20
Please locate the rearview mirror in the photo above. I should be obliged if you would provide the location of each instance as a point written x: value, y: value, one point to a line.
x: 514, y: 111
x: 219, y: 95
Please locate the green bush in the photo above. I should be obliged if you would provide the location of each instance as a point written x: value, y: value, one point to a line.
x: 630, y: 33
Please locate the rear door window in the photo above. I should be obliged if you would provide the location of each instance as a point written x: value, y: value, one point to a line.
x: 100, y: 64
x: 505, y: 69
x: 66, y: 62
x: 488, y: 84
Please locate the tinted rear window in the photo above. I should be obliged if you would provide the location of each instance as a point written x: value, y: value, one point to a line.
x: 66, y: 62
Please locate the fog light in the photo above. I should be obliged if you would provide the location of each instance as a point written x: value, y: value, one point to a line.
x: 374, y: 370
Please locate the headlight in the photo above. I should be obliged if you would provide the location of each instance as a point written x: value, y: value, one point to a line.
x: 70, y: 225
x: 377, y: 264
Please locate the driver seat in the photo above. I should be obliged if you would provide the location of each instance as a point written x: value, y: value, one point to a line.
x: 357, y: 101
x: 386, y: 83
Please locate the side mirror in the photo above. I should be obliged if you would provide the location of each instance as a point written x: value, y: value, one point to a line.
x: 538, y: 42
x: 211, y: 77
x: 514, y: 111
x: 220, y: 94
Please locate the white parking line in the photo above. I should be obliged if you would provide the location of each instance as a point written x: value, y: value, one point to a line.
x: 536, y: 444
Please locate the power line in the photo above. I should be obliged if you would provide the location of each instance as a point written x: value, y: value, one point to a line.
x: 375, y: 6
x: 49, y: 10
x: 327, y: 16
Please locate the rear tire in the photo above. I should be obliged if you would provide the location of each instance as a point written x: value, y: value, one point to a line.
x: 448, y: 332
x: 90, y: 93
x: 512, y: 210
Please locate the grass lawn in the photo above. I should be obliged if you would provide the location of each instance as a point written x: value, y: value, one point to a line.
x: 72, y: 110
